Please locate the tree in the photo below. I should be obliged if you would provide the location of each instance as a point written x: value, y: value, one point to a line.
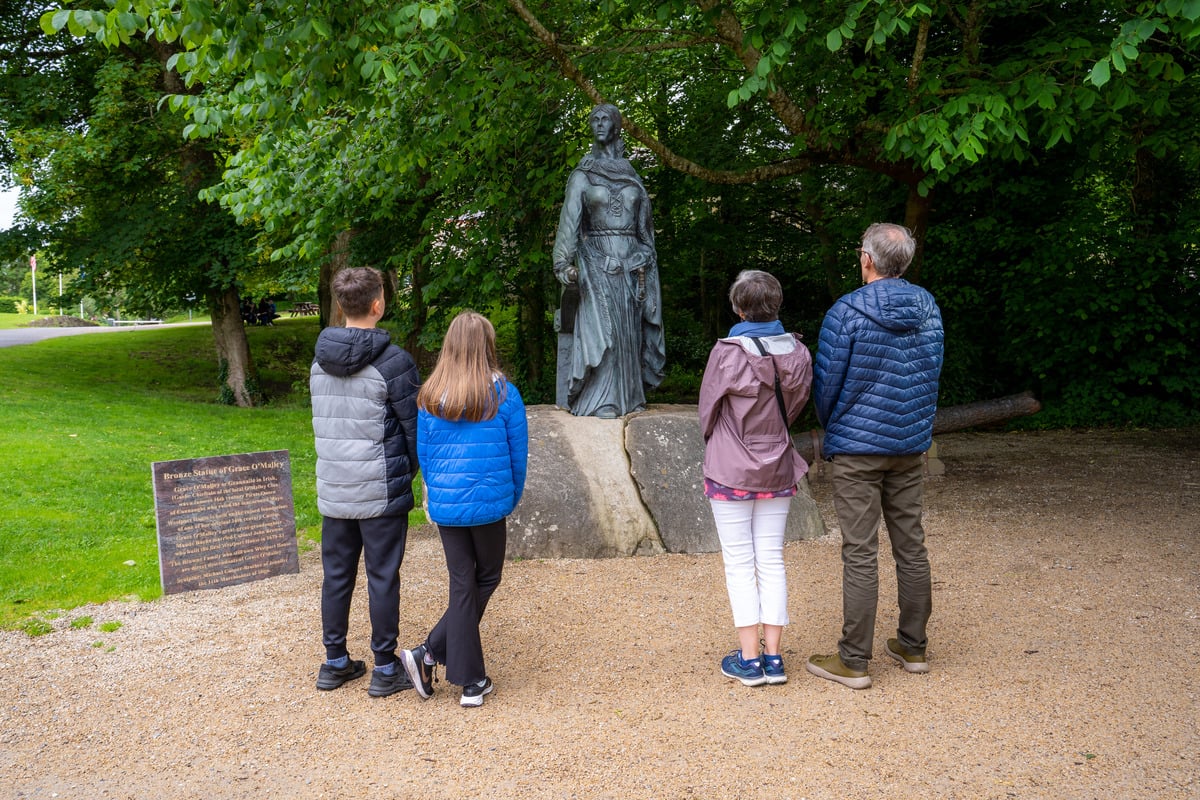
x: 770, y: 130
x: 112, y: 187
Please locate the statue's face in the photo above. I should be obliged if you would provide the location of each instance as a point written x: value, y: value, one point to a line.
x: 604, y: 127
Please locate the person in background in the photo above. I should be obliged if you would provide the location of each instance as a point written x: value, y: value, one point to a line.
x: 755, y: 385
x: 876, y: 387
x: 473, y: 444
x: 266, y: 312
x: 364, y: 401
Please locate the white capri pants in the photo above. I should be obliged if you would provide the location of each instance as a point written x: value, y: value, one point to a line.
x: 751, y: 534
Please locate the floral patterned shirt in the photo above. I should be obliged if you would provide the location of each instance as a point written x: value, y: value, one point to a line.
x: 716, y: 491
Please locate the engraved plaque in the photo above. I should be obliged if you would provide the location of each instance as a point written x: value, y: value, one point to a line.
x: 224, y: 520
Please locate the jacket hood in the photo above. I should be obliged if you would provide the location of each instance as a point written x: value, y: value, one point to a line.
x: 784, y: 351
x: 345, y: 351
x: 893, y: 303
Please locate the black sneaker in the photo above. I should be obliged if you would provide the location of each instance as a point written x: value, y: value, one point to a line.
x: 473, y: 693
x: 383, y: 685
x: 333, y: 677
x: 420, y: 673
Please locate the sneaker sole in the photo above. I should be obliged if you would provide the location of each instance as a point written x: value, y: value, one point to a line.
x: 854, y: 683
x: 746, y: 681
x: 477, y: 700
x: 918, y: 667
x: 775, y: 680
x: 414, y: 674
x: 330, y: 685
x: 387, y: 692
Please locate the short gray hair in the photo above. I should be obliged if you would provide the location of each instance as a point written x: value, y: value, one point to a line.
x: 756, y: 295
x: 891, y: 248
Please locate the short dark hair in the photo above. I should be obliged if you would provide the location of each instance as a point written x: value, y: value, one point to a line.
x: 756, y: 295
x: 356, y: 288
x: 891, y: 248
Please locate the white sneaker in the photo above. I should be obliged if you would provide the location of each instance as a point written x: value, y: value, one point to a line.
x: 473, y: 693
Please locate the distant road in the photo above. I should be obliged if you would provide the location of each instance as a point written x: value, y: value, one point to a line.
x: 15, y: 336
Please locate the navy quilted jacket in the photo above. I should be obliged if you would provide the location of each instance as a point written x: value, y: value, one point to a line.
x: 875, y: 378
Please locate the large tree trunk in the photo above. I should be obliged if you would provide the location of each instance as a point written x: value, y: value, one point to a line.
x: 237, y: 375
x: 531, y: 330
x: 916, y: 219
x: 338, y: 259
x: 198, y: 167
x: 418, y: 313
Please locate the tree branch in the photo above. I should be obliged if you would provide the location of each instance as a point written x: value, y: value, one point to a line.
x: 766, y: 172
x: 918, y: 59
x: 645, y: 48
x: 731, y: 34
x: 730, y: 31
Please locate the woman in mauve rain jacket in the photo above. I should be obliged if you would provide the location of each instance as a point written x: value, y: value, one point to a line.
x: 755, y: 385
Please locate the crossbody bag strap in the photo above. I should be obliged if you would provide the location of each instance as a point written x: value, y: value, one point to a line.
x: 778, y: 390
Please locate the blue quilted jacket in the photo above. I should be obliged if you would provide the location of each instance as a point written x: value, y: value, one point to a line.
x: 875, y: 377
x: 474, y: 471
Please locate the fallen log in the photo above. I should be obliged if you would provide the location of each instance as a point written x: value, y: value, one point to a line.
x: 985, y: 412
x: 953, y: 418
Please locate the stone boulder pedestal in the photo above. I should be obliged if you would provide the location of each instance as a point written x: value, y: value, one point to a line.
x: 601, y: 488
x: 666, y: 456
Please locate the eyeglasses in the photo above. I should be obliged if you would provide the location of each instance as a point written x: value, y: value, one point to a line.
x: 861, y: 250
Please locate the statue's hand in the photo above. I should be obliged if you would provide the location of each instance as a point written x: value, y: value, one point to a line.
x: 568, y: 276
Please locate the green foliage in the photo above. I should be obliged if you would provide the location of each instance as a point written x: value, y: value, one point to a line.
x: 433, y: 140
x: 11, y: 305
x: 1053, y: 280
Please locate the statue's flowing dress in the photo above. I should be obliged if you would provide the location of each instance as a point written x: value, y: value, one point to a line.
x: 605, y: 229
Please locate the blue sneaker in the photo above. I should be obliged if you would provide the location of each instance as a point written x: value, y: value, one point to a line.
x: 749, y: 672
x: 773, y: 669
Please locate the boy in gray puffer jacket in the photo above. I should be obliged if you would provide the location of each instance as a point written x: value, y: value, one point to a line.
x: 364, y: 393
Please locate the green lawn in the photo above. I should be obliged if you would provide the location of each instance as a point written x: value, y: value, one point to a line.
x: 17, y: 320
x: 84, y: 419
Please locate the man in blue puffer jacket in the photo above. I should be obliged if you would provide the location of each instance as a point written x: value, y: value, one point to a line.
x: 875, y: 386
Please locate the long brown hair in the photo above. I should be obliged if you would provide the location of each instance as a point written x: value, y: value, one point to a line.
x: 463, y: 384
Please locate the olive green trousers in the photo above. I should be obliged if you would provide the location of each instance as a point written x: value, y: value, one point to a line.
x: 864, y: 489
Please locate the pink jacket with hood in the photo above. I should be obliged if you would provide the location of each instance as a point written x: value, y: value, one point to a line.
x: 747, y: 445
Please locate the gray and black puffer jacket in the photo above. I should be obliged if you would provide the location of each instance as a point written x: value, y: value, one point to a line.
x: 364, y: 400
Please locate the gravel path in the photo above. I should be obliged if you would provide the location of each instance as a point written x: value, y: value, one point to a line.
x: 11, y: 337
x: 1065, y: 654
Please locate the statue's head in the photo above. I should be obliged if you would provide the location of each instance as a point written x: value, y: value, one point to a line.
x: 605, y: 122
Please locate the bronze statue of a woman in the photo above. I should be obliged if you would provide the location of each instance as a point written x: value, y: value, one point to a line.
x: 604, y: 250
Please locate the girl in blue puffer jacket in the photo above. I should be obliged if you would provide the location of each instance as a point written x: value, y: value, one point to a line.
x: 472, y: 444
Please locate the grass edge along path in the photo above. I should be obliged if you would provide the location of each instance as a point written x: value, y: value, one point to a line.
x: 84, y: 419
